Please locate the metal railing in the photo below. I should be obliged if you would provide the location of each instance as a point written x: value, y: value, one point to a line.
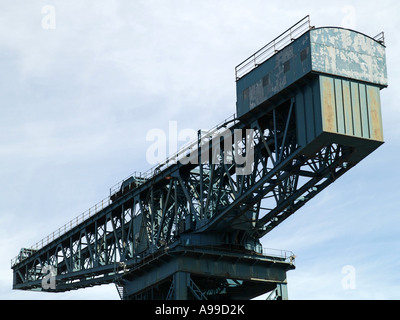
x: 284, y: 255
x: 63, y: 230
x: 273, y: 47
x: 152, y: 254
x: 105, y: 202
x: 174, y: 158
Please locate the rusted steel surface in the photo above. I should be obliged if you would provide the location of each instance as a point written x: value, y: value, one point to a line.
x: 351, y: 108
x: 375, y: 113
x: 328, y: 105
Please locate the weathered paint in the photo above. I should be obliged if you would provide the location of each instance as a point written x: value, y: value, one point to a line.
x: 335, y: 76
x: 340, y: 125
x: 349, y: 54
x: 375, y: 118
x: 334, y: 110
x: 364, y: 111
x: 328, y: 105
x: 274, y: 75
x: 334, y: 51
x: 351, y: 108
x: 348, y: 114
x: 355, y: 103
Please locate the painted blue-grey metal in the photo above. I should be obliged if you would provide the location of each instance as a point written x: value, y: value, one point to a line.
x: 332, y: 51
x: 308, y: 111
x: 335, y: 75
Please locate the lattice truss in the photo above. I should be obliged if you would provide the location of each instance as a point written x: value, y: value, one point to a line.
x: 206, y: 198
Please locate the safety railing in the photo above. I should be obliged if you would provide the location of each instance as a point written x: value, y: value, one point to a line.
x: 63, y: 230
x: 141, y: 177
x: 175, y: 157
x: 284, y: 255
x: 273, y: 47
x: 223, y: 248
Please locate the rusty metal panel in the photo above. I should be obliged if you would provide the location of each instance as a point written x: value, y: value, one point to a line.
x: 364, y: 111
x: 351, y: 108
x: 330, y: 51
x: 348, y: 113
x: 375, y: 118
x: 355, y: 104
x: 328, y: 104
x: 340, y: 122
x: 273, y: 75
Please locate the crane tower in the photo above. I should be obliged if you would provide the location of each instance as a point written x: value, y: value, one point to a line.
x: 308, y: 110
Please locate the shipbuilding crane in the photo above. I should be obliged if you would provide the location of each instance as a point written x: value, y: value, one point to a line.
x: 308, y: 110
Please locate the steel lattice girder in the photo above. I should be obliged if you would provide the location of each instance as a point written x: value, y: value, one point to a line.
x: 196, y: 199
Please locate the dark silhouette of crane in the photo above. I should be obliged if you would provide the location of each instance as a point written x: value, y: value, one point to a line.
x: 308, y: 110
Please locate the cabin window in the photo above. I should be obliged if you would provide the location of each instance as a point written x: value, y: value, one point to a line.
x: 286, y: 66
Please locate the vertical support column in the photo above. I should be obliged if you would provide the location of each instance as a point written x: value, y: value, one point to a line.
x: 181, y: 282
x: 123, y: 243
x: 281, y: 291
x: 200, y: 161
x: 95, y: 249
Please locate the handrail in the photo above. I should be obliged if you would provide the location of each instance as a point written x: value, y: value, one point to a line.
x: 273, y: 47
x: 107, y: 201
x: 64, y: 229
x: 174, y: 158
x: 183, y: 244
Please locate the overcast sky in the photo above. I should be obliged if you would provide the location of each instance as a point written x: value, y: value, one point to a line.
x: 82, y: 82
